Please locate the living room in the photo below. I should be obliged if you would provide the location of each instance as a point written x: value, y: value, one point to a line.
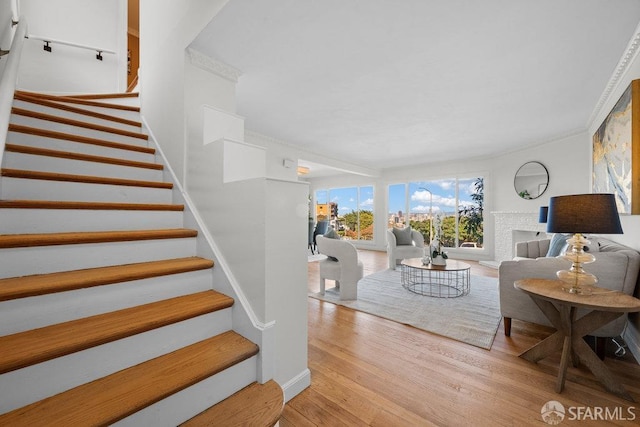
x: 174, y: 113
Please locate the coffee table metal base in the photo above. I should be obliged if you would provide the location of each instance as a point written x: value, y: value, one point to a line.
x: 434, y: 282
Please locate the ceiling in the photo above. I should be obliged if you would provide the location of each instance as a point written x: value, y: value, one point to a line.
x: 382, y: 83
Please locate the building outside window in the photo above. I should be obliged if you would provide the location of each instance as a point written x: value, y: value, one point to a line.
x: 348, y: 210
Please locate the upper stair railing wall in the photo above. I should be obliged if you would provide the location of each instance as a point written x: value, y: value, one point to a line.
x: 9, y: 78
x: 49, y: 41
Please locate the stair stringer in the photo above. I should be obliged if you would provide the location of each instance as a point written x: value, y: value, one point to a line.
x: 245, y: 321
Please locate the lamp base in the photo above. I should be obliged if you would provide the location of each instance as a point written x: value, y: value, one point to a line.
x: 578, y: 281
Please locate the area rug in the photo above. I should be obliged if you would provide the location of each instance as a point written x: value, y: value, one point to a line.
x: 472, y: 319
x: 316, y: 257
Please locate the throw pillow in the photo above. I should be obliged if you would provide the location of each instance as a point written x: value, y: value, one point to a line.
x: 332, y: 234
x: 403, y: 236
x: 594, y: 246
x: 557, y: 244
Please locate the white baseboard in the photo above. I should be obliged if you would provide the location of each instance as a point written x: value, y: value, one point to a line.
x: 492, y: 264
x: 295, y: 385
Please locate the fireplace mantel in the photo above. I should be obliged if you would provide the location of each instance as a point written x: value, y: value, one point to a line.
x: 505, y: 223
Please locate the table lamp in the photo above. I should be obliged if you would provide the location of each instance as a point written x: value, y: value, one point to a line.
x: 543, y: 214
x: 578, y: 214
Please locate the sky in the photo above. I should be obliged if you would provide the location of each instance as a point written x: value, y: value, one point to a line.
x: 443, y: 196
x: 347, y: 198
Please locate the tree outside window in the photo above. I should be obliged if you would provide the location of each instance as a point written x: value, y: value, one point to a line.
x: 458, y: 202
x: 350, y: 211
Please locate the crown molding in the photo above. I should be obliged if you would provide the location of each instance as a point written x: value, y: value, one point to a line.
x: 620, y: 70
x: 214, y: 66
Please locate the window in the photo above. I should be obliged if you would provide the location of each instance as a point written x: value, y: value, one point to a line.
x: 349, y: 210
x: 397, y: 205
x: 457, y: 202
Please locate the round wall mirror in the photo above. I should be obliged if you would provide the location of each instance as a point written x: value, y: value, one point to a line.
x: 531, y: 180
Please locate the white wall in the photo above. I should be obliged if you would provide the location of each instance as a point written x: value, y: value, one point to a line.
x: 166, y: 29
x: 6, y: 15
x: 98, y: 23
x: 245, y: 218
x: 630, y: 223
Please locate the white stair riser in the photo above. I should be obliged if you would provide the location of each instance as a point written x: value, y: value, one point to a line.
x: 39, y: 381
x: 78, y: 167
x: 76, y: 130
x: 35, y: 312
x: 131, y: 101
x: 36, y: 189
x: 26, y: 221
x: 49, y: 259
x: 76, y: 116
x: 77, y: 147
x: 184, y: 405
x: 125, y: 114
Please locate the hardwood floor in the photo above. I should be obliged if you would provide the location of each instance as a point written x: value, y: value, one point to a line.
x: 368, y: 371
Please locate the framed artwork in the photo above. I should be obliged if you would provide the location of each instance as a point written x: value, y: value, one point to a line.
x: 616, y: 152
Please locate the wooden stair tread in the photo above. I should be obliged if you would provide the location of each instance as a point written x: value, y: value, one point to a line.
x: 79, y: 138
x: 80, y: 101
x: 87, y: 179
x: 255, y: 405
x: 56, y: 204
x: 104, y: 95
x: 23, y: 149
x: 38, y: 345
x: 119, y: 395
x: 48, y: 239
x: 42, y: 284
x: 65, y: 107
x: 78, y: 123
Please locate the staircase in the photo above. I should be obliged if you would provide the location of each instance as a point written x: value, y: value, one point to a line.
x: 107, y: 313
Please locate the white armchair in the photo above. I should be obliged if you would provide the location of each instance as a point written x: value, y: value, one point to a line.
x: 344, y: 268
x: 396, y: 252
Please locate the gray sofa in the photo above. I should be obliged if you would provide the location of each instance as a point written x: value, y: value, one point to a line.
x: 616, y: 267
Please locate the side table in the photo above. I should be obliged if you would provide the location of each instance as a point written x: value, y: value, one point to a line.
x: 604, y: 305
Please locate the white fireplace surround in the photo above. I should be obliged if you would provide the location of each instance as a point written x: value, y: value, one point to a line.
x: 513, y: 227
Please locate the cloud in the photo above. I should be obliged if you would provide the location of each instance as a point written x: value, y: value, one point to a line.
x: 423, y: 196
x: 446, y: 185
x: 368, y: 202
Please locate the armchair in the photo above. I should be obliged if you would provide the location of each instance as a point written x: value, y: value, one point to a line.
x: 320, y: 230
x: 397, y: 252
x: 346, y: 270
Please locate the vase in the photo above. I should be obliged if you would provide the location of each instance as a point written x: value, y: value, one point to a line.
x: 438, y: 260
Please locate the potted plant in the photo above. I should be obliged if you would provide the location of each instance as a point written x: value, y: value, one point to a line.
x: 438, y: 256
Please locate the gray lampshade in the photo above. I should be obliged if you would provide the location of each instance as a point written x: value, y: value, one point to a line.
x: 584, y: 213
x: 544, y: 213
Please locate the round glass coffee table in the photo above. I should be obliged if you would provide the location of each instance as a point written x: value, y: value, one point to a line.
x: 446, y: 281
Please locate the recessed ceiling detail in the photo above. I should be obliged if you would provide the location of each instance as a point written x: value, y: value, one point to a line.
x: 213, y: 65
